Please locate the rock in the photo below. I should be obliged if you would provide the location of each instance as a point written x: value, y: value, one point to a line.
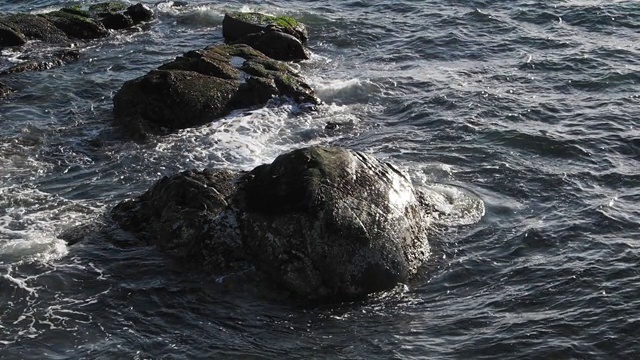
x: 76, y: 24
x: 204, y: 85
x: 139, y: 13
x: 5, y: 91
x: 10, y: 37
x: 111, y: 15
x: 35, y: 27
x: 276, y: 45
x: 329, y: 223
x: 118, y: 15
x: 237, y: 25
x: 58, y: 58
x: 187, y: 216
x: 325, y: 224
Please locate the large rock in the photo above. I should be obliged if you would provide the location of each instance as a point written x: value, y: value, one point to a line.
x: 237, y: 25
x: 76, y: 24
x: 204, y: 85
x: 332, y: 223
x: 187, y: 215
x: 57, y: 27
x: 322, y: 223
x: 34, y: 27
x: 281, y: 38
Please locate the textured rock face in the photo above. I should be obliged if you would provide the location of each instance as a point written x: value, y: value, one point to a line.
x: 322, y: 223
x: 332, y: 223
x: 204, y: 85
x: 187, y: 216
x: 237, y: 25
x: 281, y: 38
x: 58, y: 27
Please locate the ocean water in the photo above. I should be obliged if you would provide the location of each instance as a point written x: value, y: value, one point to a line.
x: 525, y: 111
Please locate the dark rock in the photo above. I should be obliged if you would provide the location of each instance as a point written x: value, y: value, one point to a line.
x: 58, y: 58
x: 139, y: 13
x: 324, y: 224
x: 76, y: 26
x: 332, y: 223
x: 238, y: 25
x: 117, y: 21
x: 187, y: 216
x: 5, y: 91
x: 119, y: 15
x: 10, y: 37
x: 204, y: 85
x: 35, y: 27
x: 276, y: 45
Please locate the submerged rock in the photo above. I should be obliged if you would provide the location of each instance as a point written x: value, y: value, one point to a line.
x: 5, y: 91
x: 322, y: 223
x: 57, y: 59
x: 281, y: 38
x: 204, y: 85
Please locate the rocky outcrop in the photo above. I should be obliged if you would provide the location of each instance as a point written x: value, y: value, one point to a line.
x: 61, y: 26
x: 279, y: 37
x: 322, y: 223
x: 332, y: 223
x: 32, y: 27
x: 204, y: 85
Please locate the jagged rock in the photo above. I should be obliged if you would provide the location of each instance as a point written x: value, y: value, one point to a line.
x: 5, y: 91
x: 58, y: 58
x: 237, y: 25
x: 35, y: 27
x: 111, y: 15
x: 204, y: 85
x: 76, y: 24
x: 187, y: 216
x: 332, y: 223
x: 322, y: 223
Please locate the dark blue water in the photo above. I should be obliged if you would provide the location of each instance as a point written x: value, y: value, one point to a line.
x: 531, y: 107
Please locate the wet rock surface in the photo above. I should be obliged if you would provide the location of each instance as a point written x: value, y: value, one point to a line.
x: 279, y: 37
x: 204, y: 85
x: 187, y: 215
x: 325, y: 224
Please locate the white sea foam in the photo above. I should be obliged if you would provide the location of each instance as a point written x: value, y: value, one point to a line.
x: 30, y: 221
x: 246, y: 139
x: 343, y: 91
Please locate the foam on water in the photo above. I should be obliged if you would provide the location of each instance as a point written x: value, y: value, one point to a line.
x: 30, y: 221
x: 246, y: 139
